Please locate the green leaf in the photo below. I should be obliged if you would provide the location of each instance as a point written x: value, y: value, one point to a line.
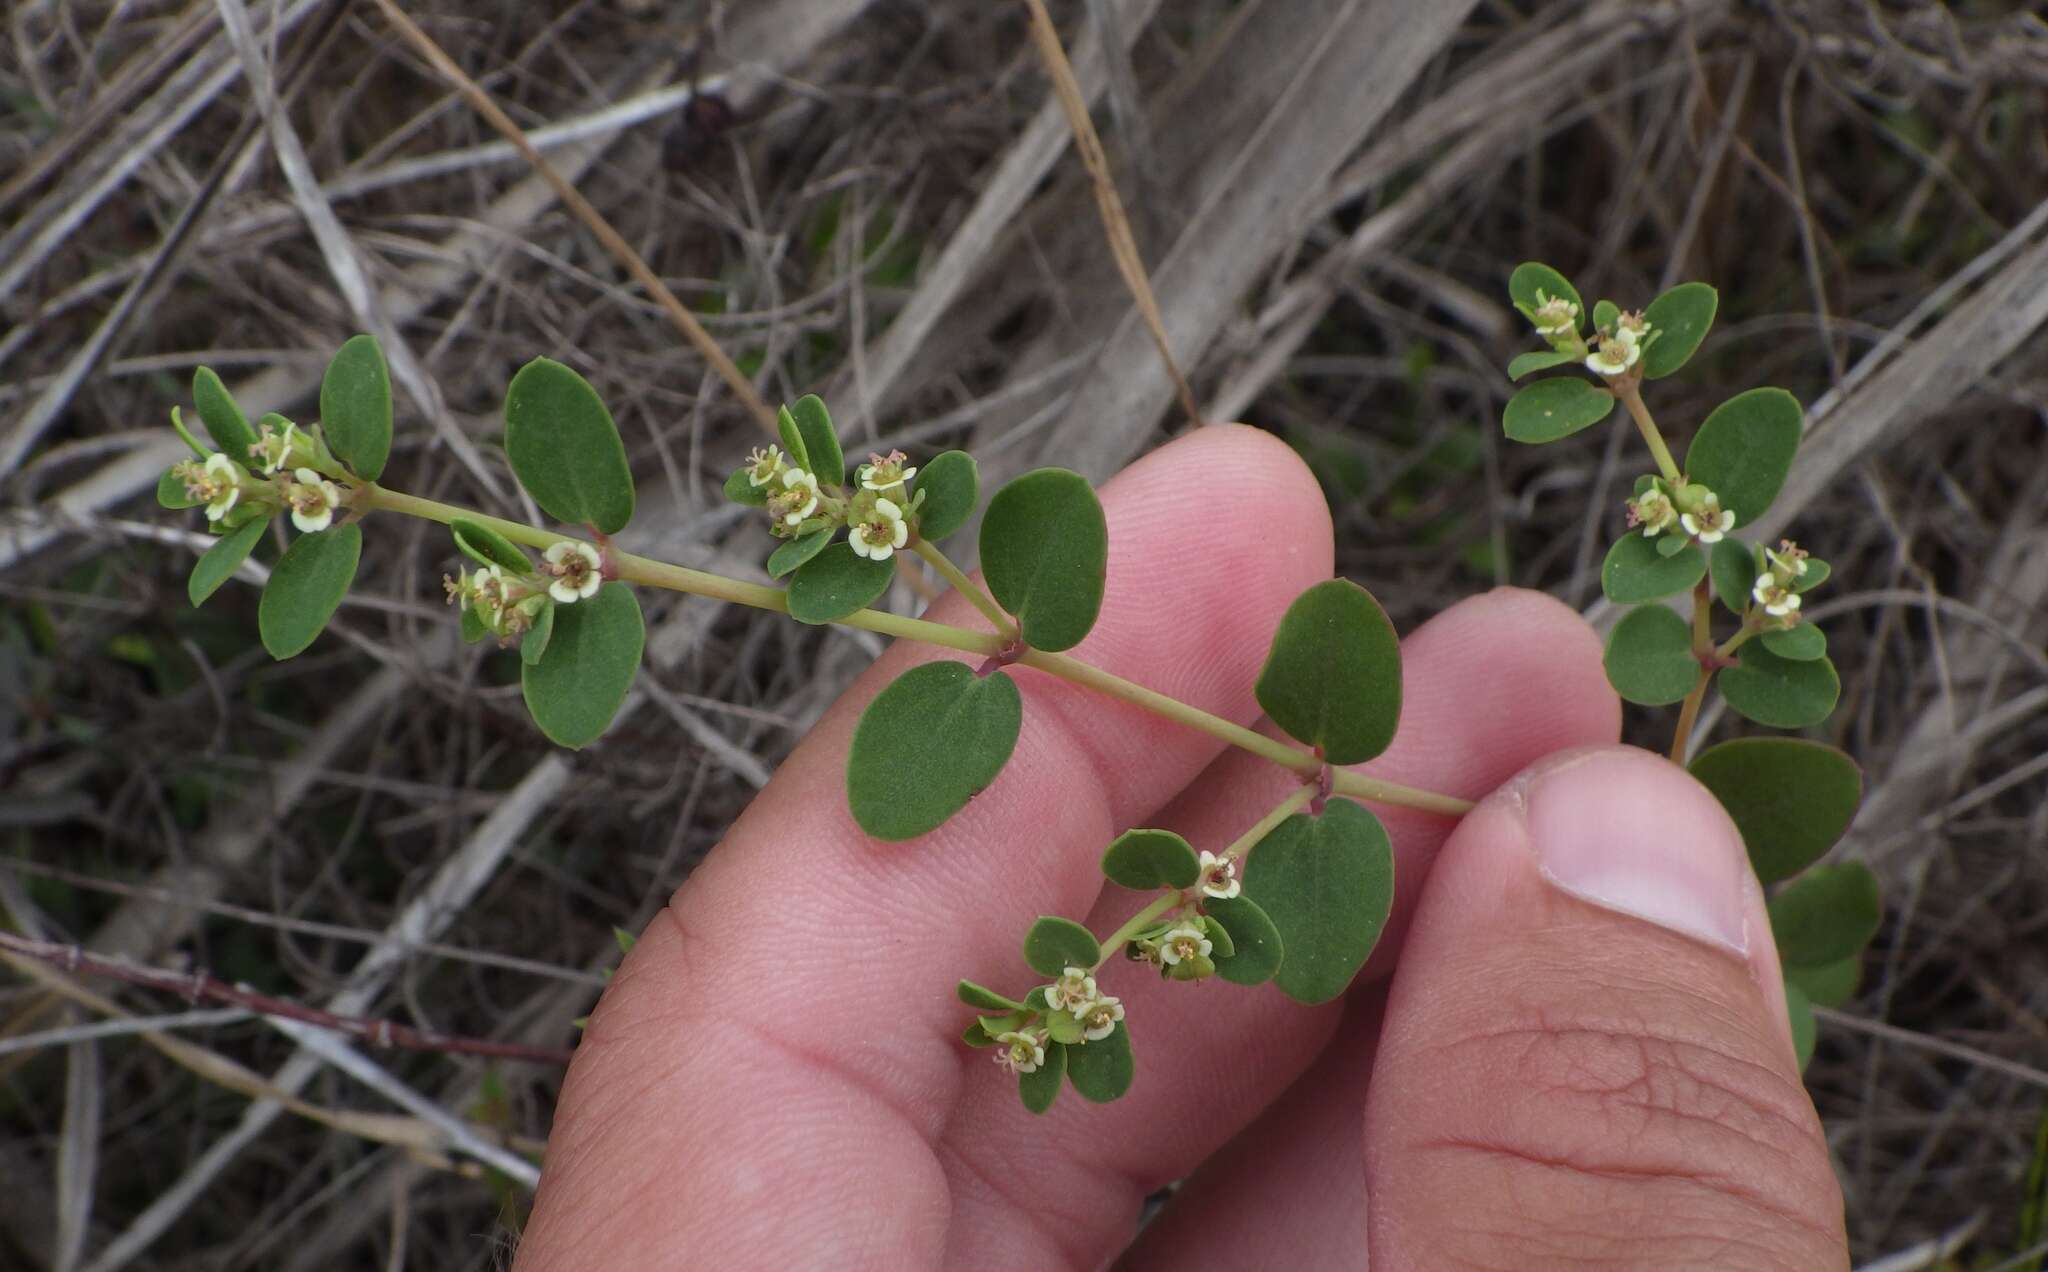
x: 1328, y: 884
x: 1054, y: 944
x: 793, y: 439
x: 985, y: 998
x: 1635, y: 572
x: 1101, y: 1070
x: 1649, y: 657
x: 1817, y: 572
x: 486, y: 546
x: 534, y: 644
x: 1605, y: 314
x: 1008, y: 1022
x: 1744, y: 449
x: 835, y: 583
x: 1045, y: 554
x: 1790, y: 798
x: 1221, y: 944
x: 1145, y: 859
x: 927, y: 744
x: 1041, y: 1086
x: 1670, y: 545
x: 1799, y: 1010
x: 743, y: 491
x: 1552, y: 409
x: 1531, y: 277
x: 950, y: 483
x: 1778, y: 691
x: 1258, y: 948
x: 1064, y: 1028
x: 1826, y: 915
x: 178, y: 426
x: 801, y: 549
x: 224, y: 420
x: 1333, y: 676
x: 306, y: 587
x: 170, y: 491
x: 592, y: 657
x: 220, y: 561
x: 565, y: 449
x: 975, y: 1036
x: 813, y: 422
x: 1831, y: 985
x: 1732, y: 565
x: 1538, y: 360
x: 473, y: 629
x: 355, y: 406
x: 1679, y: 320
x: 1803, y: 642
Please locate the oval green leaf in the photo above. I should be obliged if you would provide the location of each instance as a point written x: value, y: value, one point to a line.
x: 355, y: 406
x: 801, y: 549
x: 1778, y: 691
x: 835, y: 583
x: 224, y: 420
x: 533, y: 646
x: 1831, y: 985
x: 486, y: 546
x: 221, y: 560
x: 1045, y: 555
x: 927, y: 744
x: 1679, y: 320
x: 306, y: 587
x: 1328, y: 884
x: 1041, y: 1086
x: 1649, y: 657
x: 823, y: 457
x: 1744, y: 449
x: 592, y: 656
x: 1817, y: 572
x: 1333, y: 676
x: 1538, y: 360
x: 1145, y: 859
x: 1221, y: 944
x: 1552, y: 409
x: 1102, y: 1070
x: 985, y: 998
x: 1635, y: 572
x: 473, y: 629
x: 1054, y: 944
x: 792, y: 439
x: 1531, y: 277
x: 1731, y: 563
x: 744, y: 492
x: 1826, y: 915
x: 1803, y: 642
x: 1257, y: 948
x: 1799, y: 1010
x: 1605, y: 312
x: 170, y: 491
x: 1790, y: 798
x: 565, y: 449
x: 951, y: 484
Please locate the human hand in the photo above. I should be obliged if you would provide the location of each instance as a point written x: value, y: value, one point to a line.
x: 774, y: 1078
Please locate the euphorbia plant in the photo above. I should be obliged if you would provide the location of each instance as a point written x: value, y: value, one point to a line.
x: 1301, y: 896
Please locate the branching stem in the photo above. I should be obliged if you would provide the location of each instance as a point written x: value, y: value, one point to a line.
x: 967, y: 587
x: 1628, y: 389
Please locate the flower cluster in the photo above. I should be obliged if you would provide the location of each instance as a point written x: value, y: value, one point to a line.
x: 1773, y: 589
x: 217, y: 483
x: 876, y: 507
x: 1183, y: 949
x: 1694, y: 509
x: 1620, y: 346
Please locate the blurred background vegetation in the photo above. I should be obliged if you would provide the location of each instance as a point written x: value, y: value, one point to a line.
x: 876, y: 200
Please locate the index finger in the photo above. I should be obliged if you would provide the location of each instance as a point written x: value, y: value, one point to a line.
x: 784, y: 1039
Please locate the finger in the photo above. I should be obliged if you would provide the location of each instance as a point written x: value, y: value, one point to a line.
x: 1586, y: 1060
x: 784, y: 1036
x: 1469, y: 722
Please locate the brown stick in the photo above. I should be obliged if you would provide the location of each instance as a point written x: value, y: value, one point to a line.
x: 195, y: 986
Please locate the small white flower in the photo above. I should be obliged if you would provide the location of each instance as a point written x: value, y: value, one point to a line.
x: 276, y: 449
x: 577, y: 571
x: 312, y: 499
x: 1713, y: 522
x: 1653, y: 511
x: 763, y: 466
x: 1219, y: 877
x: 1554, y: 315
x: 1788, y: 560
x: 1098, y: 1019
x: 220, y: 484
x: 799, y: 498
x: 1184, y: 942
x: 1019, y: 1052
x: 1630, y: 329
x: 487, y: 593
x: 885, y: 471
x: 1616, y: 354
x: 1778, y: 600
x: 881, y: 534
x: 1073, y: 991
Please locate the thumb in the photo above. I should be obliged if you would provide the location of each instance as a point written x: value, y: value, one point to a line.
x: 1585, y: 1060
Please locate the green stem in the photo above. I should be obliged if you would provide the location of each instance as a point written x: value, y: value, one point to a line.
x: 651, y: 573
x: 1135, y: 924
x: 966, y: 587
x: 1285, y: 809
x: 1630, y: 393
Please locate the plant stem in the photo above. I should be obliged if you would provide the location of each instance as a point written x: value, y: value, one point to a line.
x: 967, y: 587
x: 1135, y: 924
x: 1703, y: 649
x: 677, y: 578
x: 1285, y: 809
x: 1630, y: 393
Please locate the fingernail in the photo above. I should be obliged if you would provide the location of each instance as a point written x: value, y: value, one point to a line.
x: 1631, y: 832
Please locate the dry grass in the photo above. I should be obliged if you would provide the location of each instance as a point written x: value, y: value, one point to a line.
x: 895, y: 220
